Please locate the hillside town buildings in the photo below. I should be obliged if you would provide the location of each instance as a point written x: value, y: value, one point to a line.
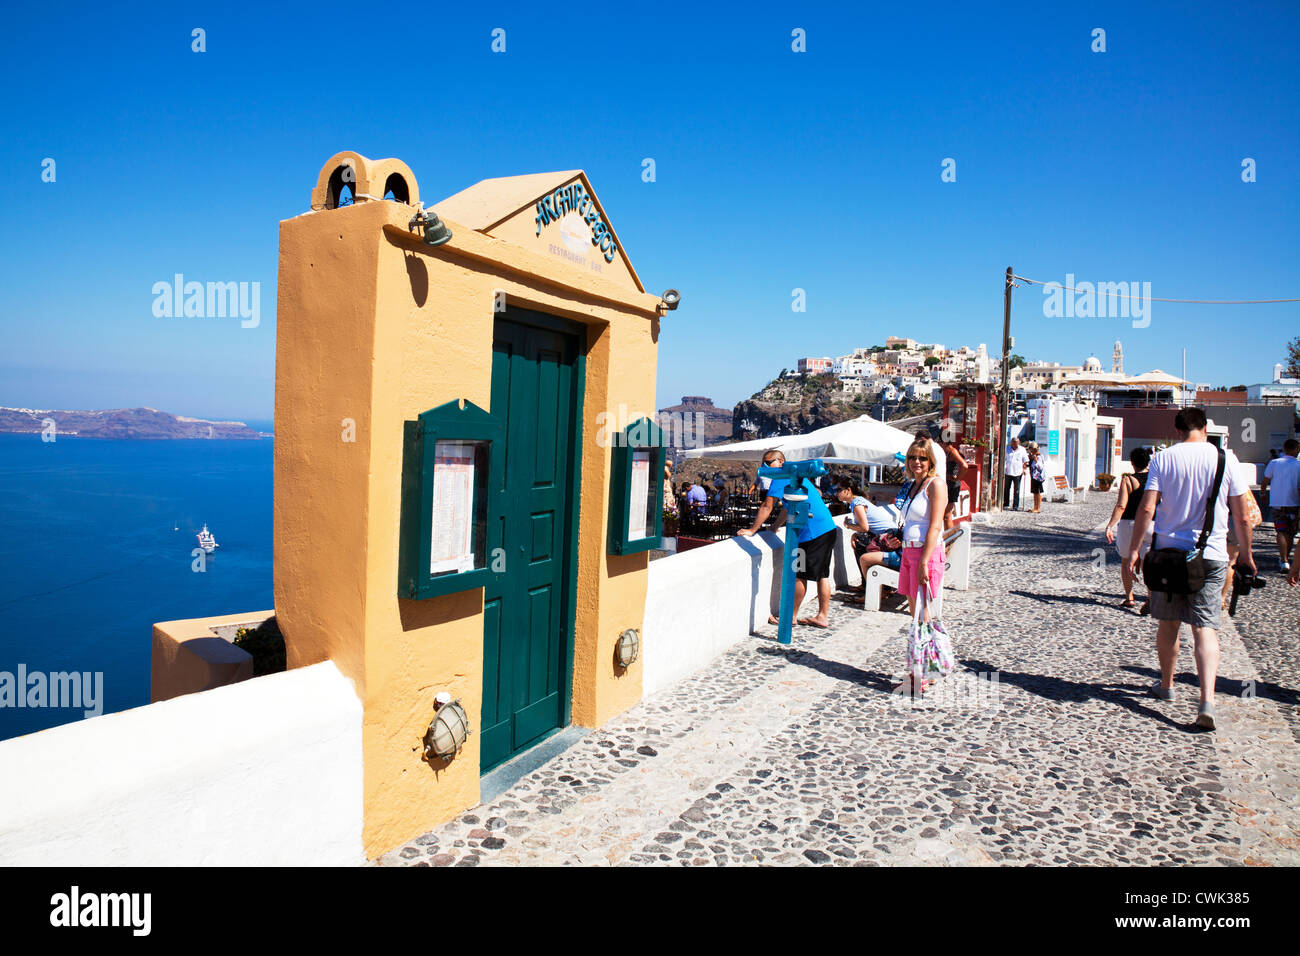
x: 1100, y: 415
x: 902, y: 368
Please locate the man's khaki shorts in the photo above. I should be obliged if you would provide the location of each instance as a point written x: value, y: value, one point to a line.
x: 1200, y: 609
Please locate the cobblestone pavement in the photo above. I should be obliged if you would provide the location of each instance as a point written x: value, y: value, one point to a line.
x: 1269, y: 624
x: 801, y: 755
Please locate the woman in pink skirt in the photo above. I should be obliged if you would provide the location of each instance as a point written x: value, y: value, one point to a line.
x: 923, y: 509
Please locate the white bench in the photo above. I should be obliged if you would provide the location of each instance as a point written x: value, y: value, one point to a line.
x: 1060, y: 489
x: 956, y: 568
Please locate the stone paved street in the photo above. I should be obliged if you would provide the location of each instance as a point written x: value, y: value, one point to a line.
x: 1043, y: 748
x: 1269, y: 624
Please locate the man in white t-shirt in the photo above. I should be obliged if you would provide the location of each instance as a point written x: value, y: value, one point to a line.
x: 1012, y: 471
x: 1179, y: 481
x: 1282, y: 482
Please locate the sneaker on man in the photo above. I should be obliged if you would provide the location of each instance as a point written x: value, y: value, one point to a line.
x: 1205, y: 718
x: 1286, y: 567
x: 1161, y: 693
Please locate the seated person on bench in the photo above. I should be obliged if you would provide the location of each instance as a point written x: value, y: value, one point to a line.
x: 875, y: 531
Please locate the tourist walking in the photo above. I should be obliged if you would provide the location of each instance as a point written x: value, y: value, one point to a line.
x: 1190, y: 490
x: 1035, y: 476
x: 923, y: 557
x: 1012, y: 470
x: 1282, y: 482
x: 1119, y: 530
x: 816, y: 541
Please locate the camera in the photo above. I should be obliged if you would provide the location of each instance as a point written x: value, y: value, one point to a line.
x: 1244, y: 580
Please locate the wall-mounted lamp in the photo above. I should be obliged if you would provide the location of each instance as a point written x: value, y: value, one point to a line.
x: 446, y: 735
x: 670, y: 299
x: 628, y: 648
x: 426, y: 221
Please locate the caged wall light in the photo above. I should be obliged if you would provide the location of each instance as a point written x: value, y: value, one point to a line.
x: 628, y: 648
x: 446, y: 735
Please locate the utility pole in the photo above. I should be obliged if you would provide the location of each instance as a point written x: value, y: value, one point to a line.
x: 1004, y: 404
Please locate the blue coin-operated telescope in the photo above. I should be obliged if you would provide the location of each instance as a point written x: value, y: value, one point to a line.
x: 797, y: 507
x: 901, y: 497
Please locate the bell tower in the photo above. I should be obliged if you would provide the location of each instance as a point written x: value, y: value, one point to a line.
x: 1117, y: 359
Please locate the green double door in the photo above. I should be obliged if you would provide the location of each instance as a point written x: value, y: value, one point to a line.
x: 537, y: 383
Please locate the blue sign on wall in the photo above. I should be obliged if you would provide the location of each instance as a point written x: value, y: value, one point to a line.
x: 1054, y: 442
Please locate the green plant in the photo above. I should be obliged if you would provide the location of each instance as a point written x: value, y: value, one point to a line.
x: 266, y: 644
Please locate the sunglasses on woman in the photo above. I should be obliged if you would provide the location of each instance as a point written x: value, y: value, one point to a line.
x: 917, y: 458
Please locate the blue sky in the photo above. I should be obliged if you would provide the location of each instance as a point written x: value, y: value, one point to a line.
x: 775, y: 170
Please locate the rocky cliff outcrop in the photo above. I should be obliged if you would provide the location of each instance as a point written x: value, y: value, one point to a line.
x: 793, y: 405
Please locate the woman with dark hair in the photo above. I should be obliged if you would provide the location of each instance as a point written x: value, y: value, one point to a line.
x: 956, y: 467
x: 1126, y: 505
x: 875, y: 531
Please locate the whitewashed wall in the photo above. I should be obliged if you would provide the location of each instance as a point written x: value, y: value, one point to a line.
x: 264, y: 772
x: 699, y: 603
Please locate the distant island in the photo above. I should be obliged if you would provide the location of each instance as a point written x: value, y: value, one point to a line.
x: 132, y: 423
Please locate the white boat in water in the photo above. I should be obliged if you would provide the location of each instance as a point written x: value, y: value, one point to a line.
x: 206, y: 541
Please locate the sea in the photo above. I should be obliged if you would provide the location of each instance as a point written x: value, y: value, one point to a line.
x: 91, y: 558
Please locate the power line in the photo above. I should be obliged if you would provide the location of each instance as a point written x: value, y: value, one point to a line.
x: 1147, y: 298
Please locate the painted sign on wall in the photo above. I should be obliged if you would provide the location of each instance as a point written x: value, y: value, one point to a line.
x: 1054, y: 442
x: 574, y: 199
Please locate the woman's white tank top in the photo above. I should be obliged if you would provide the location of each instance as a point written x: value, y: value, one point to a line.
x: 916, y: 515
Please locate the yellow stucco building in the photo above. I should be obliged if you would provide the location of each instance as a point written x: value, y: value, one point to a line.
x: 532, y: 312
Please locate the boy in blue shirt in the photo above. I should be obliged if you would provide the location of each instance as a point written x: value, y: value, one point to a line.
x: 816, y: 542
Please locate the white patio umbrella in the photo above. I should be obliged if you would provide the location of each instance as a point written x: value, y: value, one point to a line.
x: 1156, y: 377
x: 1155, y: 380
x: 859, y: 441
x: 1091, y: 381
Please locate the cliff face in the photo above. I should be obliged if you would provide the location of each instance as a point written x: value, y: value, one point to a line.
x: 128, y: 423
x: 791, y: 406
x: 794, y: 406
x: 696, y: 421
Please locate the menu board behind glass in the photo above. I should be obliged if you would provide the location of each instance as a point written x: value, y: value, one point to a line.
x: 457, y: 516
x: 639, y: 517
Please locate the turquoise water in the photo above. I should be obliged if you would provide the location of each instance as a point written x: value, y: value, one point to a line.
x: 89, y: 560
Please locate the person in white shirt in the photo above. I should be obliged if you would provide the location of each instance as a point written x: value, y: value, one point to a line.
x: 1178, y: 488
x: 1282, y: 482
x: 1012, y: 471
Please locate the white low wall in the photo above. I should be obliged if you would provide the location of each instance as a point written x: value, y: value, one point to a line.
x: 264, y: 772
x: 698, y: 603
